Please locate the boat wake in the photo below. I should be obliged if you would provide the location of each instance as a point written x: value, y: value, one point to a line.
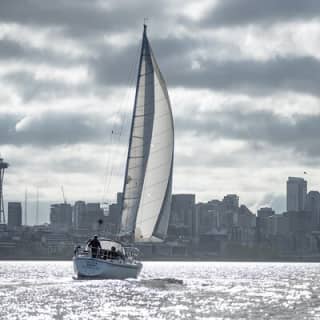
x: 162, y: 283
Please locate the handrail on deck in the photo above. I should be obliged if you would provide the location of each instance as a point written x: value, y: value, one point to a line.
x: 130, y: 253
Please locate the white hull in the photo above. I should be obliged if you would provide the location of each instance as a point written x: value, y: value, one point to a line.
x: 87, y: 267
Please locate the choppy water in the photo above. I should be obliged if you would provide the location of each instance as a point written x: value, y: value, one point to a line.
x: 210, y: 290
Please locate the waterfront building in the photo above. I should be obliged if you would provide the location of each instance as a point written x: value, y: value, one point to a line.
x: 114, y: 214
x: 208, y: 216
x: 265, y: 212
x: 243, y: 226
x: 14, y: 214
x: 231, y: 201
x: 88, y: 217
x: 263, y: 223
x: 80, y: 219
x: 61, y: 216
x: 278, y: 225
x: 313, y: 206
x: 182, y: 217
x: 296, y: 194
x: 223, y: 222
x: 95, y: 216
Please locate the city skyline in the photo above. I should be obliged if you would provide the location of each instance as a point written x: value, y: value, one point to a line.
x: 243, y: 93
x: 297, y: 193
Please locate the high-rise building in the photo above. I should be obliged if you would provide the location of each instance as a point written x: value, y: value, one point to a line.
x: 88, y: 217
x: 296, y: 194
x: 231, y: 201
x: 313, y: 206
x: 80, y: 215
x: 265, y: 212
x: 114, y: 216
x: 61, y: 216
x: 181, y: 223
x: 208, y: 216
x: 263, y: 223
x: 14, y: 214
x: 95, y: 215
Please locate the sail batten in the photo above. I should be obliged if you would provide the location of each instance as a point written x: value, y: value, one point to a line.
x: 148, y: 178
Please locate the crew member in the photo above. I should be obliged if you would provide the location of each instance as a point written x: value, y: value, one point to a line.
x: 94, y: 244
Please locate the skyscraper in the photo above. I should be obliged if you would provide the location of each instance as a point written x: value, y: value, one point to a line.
x: 296, y: 194
x: 231, y: 201
x: 80, y: 220
x: 182, y: 215
x: 313, y: 206
x: 61, y: 216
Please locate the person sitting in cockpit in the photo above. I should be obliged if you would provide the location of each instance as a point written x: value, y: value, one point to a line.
x: 113, y: 253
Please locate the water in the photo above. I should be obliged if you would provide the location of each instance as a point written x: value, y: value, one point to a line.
x: 210, y: 290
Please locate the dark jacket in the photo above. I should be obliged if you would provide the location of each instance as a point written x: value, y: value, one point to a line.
x: 95, y: 243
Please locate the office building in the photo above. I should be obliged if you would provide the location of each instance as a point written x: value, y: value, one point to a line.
x: 313, y: 206
x: 182, y: 216
x: 231, y: 201
x: 296, y: 194
x: 95, y: 216
x: 114, y: 216
x: 265, y: 212
x: 61, y: 216
x: 80, y: 219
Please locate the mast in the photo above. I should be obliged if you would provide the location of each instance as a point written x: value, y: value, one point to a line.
x: 26, y: 207
x: 130, y: 235
x: 37, y: 207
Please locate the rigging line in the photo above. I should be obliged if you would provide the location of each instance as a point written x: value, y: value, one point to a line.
x: 107, y: 169
x: 109, y: 173
x: 125, y: 219
x: 126, y: 114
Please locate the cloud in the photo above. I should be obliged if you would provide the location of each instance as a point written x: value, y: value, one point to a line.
x: 28, y: 87
x: 273, y: 200
x: 16, y: 51
x: 259, y: 128
x: 243, y: 77
x: 244, y: 12
x: 254, y: 77
x: 81, y: 18
x: 54, y: 128
x: 299, y: 74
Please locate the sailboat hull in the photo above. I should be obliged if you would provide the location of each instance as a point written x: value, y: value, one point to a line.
x: 87, y: 267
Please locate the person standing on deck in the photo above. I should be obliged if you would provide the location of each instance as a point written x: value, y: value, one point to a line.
x: 94, y: 244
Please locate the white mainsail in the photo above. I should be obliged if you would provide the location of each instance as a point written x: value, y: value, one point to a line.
x: 148, y: 178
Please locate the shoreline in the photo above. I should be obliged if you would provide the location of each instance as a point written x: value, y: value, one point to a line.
x: 191, y: 259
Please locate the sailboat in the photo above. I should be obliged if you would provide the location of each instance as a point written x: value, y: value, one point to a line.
x: 147, y: 186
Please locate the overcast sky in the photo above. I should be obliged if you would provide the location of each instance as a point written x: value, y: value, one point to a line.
x: 243, y: 77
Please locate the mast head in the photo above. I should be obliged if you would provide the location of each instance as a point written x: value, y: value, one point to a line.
x: 145, y: 25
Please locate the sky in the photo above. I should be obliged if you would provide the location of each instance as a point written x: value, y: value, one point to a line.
x: 243, y: 78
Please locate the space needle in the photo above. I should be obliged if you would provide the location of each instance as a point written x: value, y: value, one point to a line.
x: 3, y: 166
